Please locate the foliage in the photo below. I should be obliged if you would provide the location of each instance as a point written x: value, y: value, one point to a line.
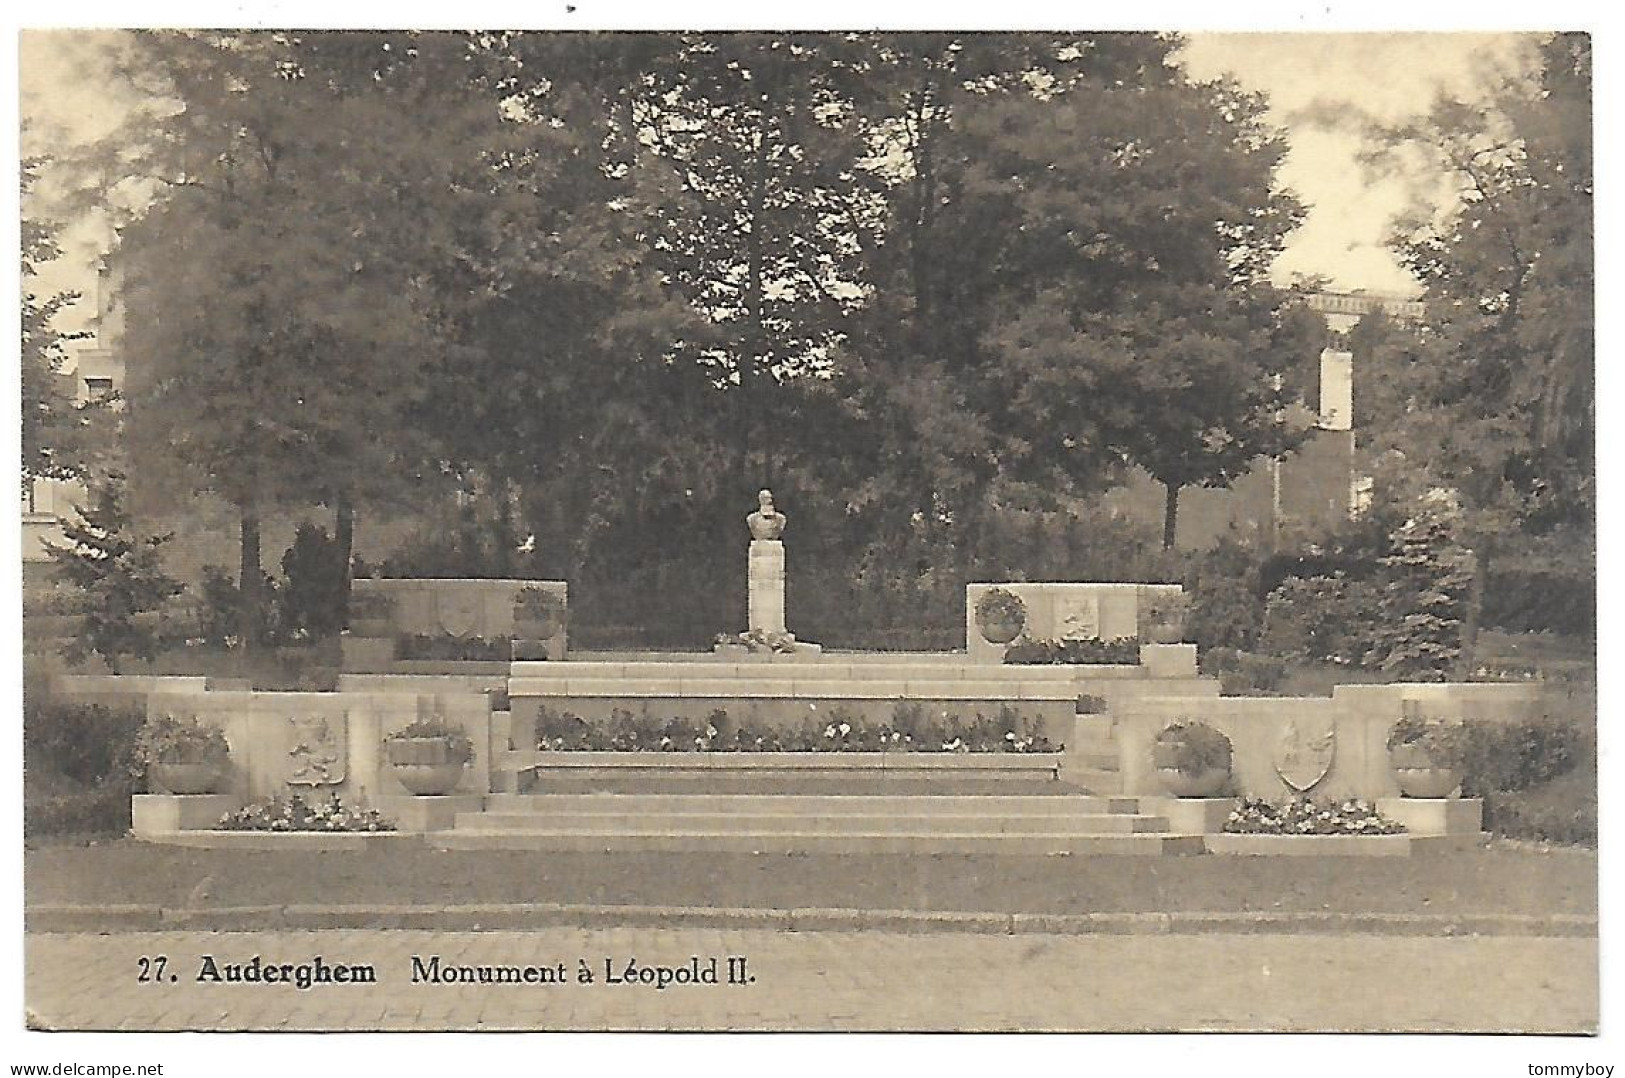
x: 1511, y: 756
x: 1245, y: 673
x: 759, y: 641
x: 118, y: 572
x: 1191, y: 748
x: 1441, y: 744
x: 445, y: 647
x: 309, y: 600
x: 51, y: 424
x: 459, y: 746
x: 1305, y: 816
x: 294, y: 813
x: 87, y: 743
x: 170, y: 739
x: 1125, y: 650
x: 1534, y: 601
x: 1225, y: 608
x: 219, y: 608
x: 1425, y: 579
x: 1001, y: 615
x: 911, y: 729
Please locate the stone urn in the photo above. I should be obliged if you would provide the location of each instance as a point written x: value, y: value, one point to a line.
x: 1000, y: 616
x: 187, y: 776
x: 1426, y: 756
x: 1192, y: 759
x: 428, y: 762
x: 1418, y: 775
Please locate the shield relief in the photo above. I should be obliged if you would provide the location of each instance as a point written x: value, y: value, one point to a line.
x: 1305, y: 751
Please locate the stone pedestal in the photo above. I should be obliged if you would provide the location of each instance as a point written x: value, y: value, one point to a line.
x: 428, y: 813
x: 766, y: 613
x: 1191, y: 815
x: 160, y: 814
x: 1435, y: 815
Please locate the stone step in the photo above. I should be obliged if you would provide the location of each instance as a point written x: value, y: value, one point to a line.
x: 817, y: 670
x: 806, y: 804
x: 613, y: 823
x: 973, y: 842
x: 1095, y: 780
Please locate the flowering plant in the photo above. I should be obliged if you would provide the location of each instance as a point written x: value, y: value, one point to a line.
x: 1304, y: 816
x: 1191, y: 748
x: 294, y: 813
x: 459, y: 746
x: 1416, y: 742
x: 759, y: 640
x: 169, y: 739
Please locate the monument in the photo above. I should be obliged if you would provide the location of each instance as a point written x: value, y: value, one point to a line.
x: 766, y: 630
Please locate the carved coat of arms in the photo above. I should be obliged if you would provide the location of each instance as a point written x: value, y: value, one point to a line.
x: 1305, y: 752
x: 316, y: 749
x: 461, y: 612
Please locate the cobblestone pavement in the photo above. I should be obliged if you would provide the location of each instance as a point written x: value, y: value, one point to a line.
x: 825, y: 981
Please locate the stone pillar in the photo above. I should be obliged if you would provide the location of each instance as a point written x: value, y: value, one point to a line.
x: 766, y: 613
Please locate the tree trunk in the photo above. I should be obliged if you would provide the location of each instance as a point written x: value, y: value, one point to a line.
x: 251, y: 584
x: 1170, y: 514
x: 1472, y: 618
x: 344, y: 535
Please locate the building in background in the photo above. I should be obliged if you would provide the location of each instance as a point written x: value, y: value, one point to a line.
x: 1313, y: 488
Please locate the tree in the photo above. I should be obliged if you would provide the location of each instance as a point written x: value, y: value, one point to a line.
x: 51, y: 425
x: 119, y: 575
x: 1140, y: 327
x: 1502, y: 393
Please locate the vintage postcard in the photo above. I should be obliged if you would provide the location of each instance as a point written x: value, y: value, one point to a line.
x: 800, y: 531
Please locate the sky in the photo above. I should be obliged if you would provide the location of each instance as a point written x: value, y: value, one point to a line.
x: 1387, y: 75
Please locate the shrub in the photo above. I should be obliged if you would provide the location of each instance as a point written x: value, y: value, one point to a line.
x: 1244, y: 673
x: 1522, y: 601
x: 1500, y: 757
x: 119, y: 573
x: 219, y: 610
x: 444, y: 648
x: 84, y: 742
x: 1191, y: 748
x: 80, y: 767
x: 1122, y: 651
x: 1226, y: 610
x: 309, y: 603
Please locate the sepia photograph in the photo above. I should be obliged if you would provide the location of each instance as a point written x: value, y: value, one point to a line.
x: 928, y: 529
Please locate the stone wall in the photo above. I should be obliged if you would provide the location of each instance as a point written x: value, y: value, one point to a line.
x: 456, y: 608
x: 322, y: 743
x: 1060, y: 611
x: 1272, y: 734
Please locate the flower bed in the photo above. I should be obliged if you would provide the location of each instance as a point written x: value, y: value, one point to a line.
x: 1305, y: 816
x: 1123, y: 651
x: 416, y: 647
x: 294, y: 813
x: 911, y: 729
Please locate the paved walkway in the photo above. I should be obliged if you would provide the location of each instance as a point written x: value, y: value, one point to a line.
x: 872, y: 980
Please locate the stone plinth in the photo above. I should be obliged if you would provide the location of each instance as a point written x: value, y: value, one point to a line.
x: 1191, y: 815
x: 427, y: 813
x: 157, y: 814
x: 766, y: 613
x: 1435, y: 815
x: 1168, y: 660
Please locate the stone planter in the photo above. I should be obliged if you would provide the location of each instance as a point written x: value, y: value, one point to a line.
x: 1418, y: 776
x: 424, y: 765
x: 429, y: 780
x: 1204, y: 783
x: 187, y: 777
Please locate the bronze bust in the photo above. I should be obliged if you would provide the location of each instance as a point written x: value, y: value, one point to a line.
x: 767, y: 522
